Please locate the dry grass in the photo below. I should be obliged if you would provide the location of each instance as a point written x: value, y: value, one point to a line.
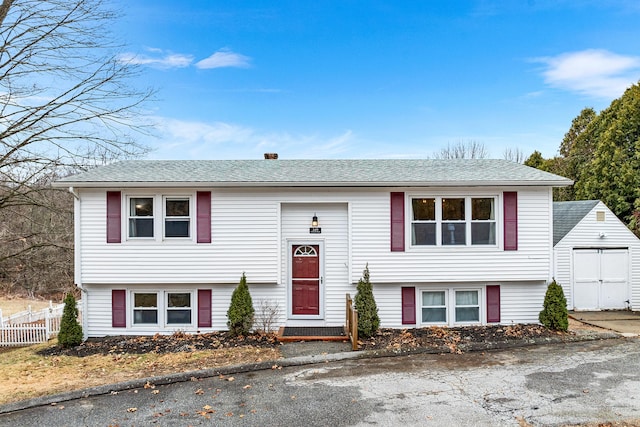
x: 11, y: 305
x: 25, y: 374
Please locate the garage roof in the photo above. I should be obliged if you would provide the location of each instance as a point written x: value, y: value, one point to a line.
x: 567, y: 215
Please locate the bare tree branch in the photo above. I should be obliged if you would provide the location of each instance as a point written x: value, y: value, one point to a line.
x: 66, y: 103
x: 463, y: 150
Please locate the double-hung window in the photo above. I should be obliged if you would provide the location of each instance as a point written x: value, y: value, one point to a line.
x: 434, y: 307
x: 178, y: 308
x: 423, y: 228
x: 467, y: 306
x: 169, y: 308
x: 141, y: 217
x: 160, y: 217
x: 454, y: 225
x: 450, y: 306
x: 145, y: 308
x: 483, y: 221
x: 177, y: 222
x: 453, y: 221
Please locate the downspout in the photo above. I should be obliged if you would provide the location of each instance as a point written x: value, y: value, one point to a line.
x: 77, y: 249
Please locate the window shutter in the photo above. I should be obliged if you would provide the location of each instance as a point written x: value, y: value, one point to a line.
x: 408, y: 305
x: 510, y: 200
x: 114, y: 228
x: 204, y: 308
x: 119, y: 308
x: 493, y: 304
x: 203, y: 216
x: 397, y: 222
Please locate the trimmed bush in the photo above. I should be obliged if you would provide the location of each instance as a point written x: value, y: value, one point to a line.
x: 554, y: 314
x: 70, y: 330
x: 240, y: 313
x: 368, y: 320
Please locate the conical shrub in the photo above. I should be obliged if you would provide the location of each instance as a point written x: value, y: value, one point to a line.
x: 368, y: 320
x: 241, y: 312
x: 554, y: 314
x: 70, y: 334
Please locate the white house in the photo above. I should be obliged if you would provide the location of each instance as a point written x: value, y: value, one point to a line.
x: 597, y: 258
x: 160, y: 245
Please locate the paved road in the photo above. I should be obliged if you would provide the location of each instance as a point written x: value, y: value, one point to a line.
x: 545, y: 385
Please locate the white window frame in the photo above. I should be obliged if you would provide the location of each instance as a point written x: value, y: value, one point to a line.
x: 445, y: 306
x: 189, y: 218
x: 134, y: 308
x: 455, y: 306
x: 162, y: 307
x: 129, y: 216
x: 450, y: 306
x: 167, y: 308
x: 159, y: 217
x: 468, y: 221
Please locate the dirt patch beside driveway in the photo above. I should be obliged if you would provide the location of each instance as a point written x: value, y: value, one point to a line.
x: 621, y: 321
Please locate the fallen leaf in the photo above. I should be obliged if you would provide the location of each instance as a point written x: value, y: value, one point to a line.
x: 155, y: 392
x: 132, y: 409
x: 247, y: 386
x: 149, y: 385
x: 231, y: 379
x: 199, y: 391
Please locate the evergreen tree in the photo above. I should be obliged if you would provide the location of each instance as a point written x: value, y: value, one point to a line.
x: 368, y: 320
x: 601, y: 153
x: 554, y: 313
x: 70, y: 330
x: 240, y: 313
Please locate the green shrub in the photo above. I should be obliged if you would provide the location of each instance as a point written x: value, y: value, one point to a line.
x: 554, y: 314
x: 70, y: 330
x: 240, y: 313
x: 368, y: 320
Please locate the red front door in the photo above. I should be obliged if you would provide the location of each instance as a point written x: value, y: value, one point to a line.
x: 305, y: 279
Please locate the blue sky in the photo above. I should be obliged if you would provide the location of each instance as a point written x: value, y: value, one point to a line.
x: 375, y: 79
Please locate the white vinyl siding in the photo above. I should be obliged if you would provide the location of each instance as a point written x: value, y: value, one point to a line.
x: 532, y: 260
x: 251, y: 233
x: 334, y: 236
x: 586, y: 234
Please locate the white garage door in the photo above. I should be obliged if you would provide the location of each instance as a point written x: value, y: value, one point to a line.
x: 600, y: 279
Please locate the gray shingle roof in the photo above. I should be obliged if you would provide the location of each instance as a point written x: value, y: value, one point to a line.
x: 567, y: 215
x: 313, y: 173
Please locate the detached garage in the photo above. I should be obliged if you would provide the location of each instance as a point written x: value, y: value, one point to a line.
x: 596, y: 257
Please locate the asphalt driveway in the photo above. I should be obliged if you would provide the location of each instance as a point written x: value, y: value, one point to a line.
x: 621, y: 321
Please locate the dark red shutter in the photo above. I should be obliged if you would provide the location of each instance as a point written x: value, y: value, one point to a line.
x: 510, y: 200
x: 119, y: 308
x: 204, y: 308
x: 408, y: 305
x: 397, y: 222
x: 203, y: 216
x: 114, y: 202
x: 493, y: 304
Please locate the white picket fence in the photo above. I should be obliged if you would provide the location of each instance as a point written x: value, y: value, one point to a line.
x: 31, y: 327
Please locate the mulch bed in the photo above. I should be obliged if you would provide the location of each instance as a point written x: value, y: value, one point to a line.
x: 460, y: 339
x: 177, y: 342
x: 447, y: 340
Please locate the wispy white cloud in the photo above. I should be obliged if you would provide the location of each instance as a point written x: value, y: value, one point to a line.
x: 183, y: 139
x: 592, y: 72
x: 224, y: 58
x: 162, y: 60
x: 159, y: 58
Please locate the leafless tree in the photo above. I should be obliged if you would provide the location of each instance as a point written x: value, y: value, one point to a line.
x: 463, y: 150
x: 64, y: 97
x: 514, y: 154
